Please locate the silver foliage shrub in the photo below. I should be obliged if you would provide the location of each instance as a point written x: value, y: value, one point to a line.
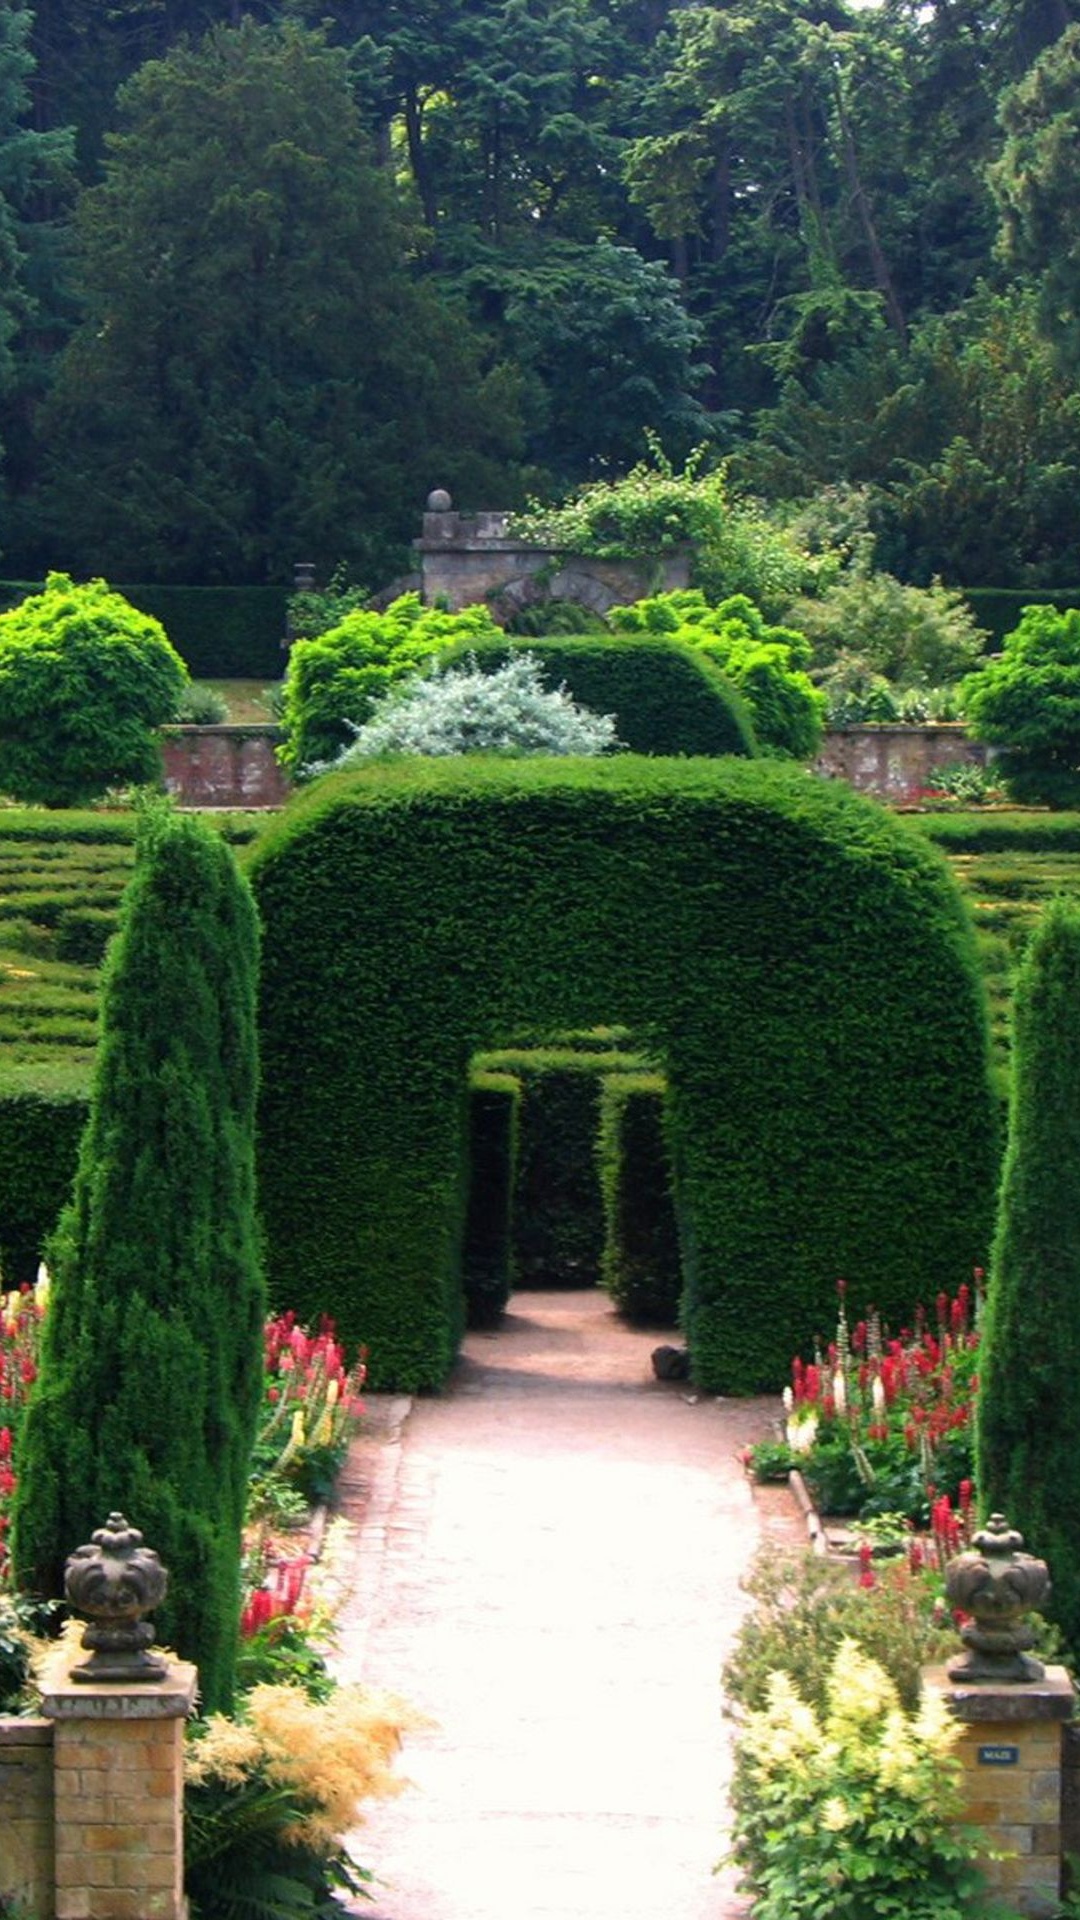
x: 465, y: 710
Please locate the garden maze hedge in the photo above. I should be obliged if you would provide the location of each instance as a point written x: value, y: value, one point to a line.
x: 797, y: 962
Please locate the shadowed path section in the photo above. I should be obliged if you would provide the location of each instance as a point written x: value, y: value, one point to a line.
x: 548, y: 1563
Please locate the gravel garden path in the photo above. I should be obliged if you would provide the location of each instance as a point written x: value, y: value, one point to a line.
x: 547, y: 1564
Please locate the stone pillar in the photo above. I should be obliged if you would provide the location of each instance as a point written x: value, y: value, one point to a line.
x: 1010, y: 1751
x: 118, y: 1755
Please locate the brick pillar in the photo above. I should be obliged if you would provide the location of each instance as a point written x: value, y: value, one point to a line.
x: 1010, y: 1750
x: 119, y: 1778
x: 27, y: 1867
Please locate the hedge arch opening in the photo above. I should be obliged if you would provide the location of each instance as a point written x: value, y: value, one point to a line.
x: 798, y: 961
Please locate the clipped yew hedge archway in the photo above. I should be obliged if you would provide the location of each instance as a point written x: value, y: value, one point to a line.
x: 797, y: 960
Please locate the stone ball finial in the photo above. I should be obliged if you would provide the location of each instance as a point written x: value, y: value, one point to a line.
x: 115, y: 1580
x: 439, y: 501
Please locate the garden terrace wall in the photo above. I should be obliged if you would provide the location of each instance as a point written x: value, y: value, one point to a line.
x: 797, y: 961
x: 466, y: 557
x: 897, y: 762
x: 660, y: 712
x: 224, y: 766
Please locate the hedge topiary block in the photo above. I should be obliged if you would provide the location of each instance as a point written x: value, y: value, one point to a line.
x: 557, y: 1235
x: 40, y: 1129
x: 665, y: 696
x: 486, y: 1264
x: 640, y: 1262
x: 798, y: 962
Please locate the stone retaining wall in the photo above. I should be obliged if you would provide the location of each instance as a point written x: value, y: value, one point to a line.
x: 895, y: 762
x: 231, y: 766
x: 468, y: 557
x: 224, y: 766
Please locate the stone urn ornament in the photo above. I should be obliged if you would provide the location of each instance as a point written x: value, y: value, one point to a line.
x: 115, y: 1580
x: 997, y: 1585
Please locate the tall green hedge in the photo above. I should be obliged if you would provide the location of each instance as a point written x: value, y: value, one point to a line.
x: 486, y: 1265
x: 152, y: 1353
x: 665, y: 696
x: 640, y: 1265
x: 999, y: 608
x: 221, y: 633
x: 797, y: 961
x: 557, y: 1230
x: 40, y: 1128
x: 1029, y: 1362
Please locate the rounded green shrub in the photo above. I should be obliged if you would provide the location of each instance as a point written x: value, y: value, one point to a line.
x: 465, y: 710
x: 765, y: 663
x: 1026, y: 701
x: 85, y: 681
x: 334, y: 681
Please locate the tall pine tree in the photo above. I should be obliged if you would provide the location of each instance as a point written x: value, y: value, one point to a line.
x: 151, y: 1367
x: 1029, y: 1399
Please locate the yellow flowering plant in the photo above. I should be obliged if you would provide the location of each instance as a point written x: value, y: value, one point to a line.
x: 270, y: 1793
x: 854, y: 1810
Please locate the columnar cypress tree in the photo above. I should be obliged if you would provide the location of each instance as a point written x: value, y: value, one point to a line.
x: 1029, y: 1399
x: 150, y: 1372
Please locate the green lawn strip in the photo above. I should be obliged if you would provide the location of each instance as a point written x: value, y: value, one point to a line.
x: 248, y: 701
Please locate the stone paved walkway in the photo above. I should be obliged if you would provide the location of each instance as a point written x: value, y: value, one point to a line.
x: 548, y: 1565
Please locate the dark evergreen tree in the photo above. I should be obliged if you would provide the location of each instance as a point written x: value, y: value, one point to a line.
x: 35, y: 180
x: 1034, y: 182
x: 259, y: 376
x: 1029, y: 1401
x: 151, y: 1366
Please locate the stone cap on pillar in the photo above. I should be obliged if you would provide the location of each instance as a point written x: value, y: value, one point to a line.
x: 171, y: 1698
x: 1051, y: 1698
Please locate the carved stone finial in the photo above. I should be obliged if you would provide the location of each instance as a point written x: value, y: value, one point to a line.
x: 439, y: 501
x: 997, y: 1585
x: 114, y: 1580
